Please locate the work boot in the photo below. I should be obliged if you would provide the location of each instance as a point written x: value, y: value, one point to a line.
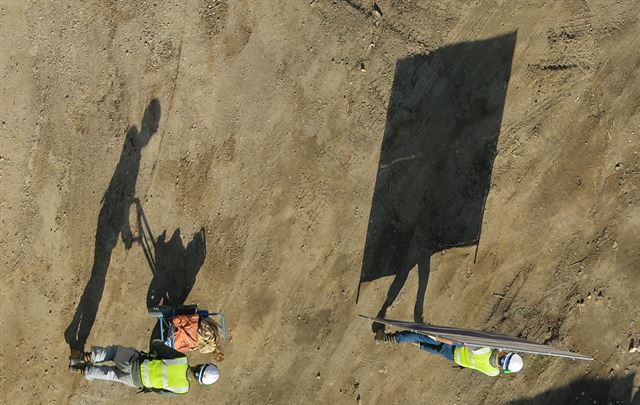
x: 78, y: 368
x: 79, y: 357
x: 382, y: 337
x: 75, y: 357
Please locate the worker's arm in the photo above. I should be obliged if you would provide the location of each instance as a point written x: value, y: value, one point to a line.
x: 164, y: 351
x: 441, y: 340
x: 159, y: 391
x: 166, y: 393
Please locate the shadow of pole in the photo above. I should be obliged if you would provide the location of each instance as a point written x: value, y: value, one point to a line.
x: 145, y: 237
x: 436, y: 159
x: 113, y: 221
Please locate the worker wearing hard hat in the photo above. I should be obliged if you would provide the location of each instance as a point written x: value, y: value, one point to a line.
x: 164, y: 371
x: 484, y: 359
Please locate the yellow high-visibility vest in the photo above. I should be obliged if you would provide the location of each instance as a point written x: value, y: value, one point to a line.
x: 477, y: 359
x: 166, y: 374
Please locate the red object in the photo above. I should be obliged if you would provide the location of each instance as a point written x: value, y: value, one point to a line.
x: 185, y: 332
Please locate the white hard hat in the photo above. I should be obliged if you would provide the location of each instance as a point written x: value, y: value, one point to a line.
x: 208, y: 374
x: 513, y: 362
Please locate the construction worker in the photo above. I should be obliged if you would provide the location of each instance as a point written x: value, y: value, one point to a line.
x: 484, y: 359
x: 163, y: 371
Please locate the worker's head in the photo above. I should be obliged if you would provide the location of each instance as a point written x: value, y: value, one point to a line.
x: 206, y: 373
x: 511, y: 363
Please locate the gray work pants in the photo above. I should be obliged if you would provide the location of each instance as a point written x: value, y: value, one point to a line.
x: 121, y: 356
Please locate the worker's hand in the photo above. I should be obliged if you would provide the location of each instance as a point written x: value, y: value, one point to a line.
x: 441, y: 340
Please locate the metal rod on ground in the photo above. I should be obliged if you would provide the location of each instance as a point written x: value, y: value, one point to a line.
x: 481, y: 339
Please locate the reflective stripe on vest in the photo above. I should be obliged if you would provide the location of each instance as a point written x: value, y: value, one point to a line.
x: 476, y: 359
x: 167, y: 374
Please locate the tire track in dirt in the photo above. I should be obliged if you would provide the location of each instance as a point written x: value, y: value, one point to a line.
x: 390, y: 26
x: 238, y: 29
x: 213, y: 18
x: 568, y: 64
x: 167, y: 114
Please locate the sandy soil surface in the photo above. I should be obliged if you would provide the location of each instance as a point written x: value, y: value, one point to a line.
x: 290, y: 148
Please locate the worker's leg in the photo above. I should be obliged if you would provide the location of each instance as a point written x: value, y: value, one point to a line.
x: 441, y: 349
x: 110, y: 353
x: 108, y: 373
x: 124, y: 358
x: 426, y: 343
x: 101, y: 354
x: 407, y: 336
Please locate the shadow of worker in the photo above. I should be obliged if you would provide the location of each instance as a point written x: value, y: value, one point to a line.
x: 113, y: 221
x: 173, y: 265
x: 437, y: 155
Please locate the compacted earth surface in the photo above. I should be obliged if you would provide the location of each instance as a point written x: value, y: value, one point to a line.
x: 296, y: 163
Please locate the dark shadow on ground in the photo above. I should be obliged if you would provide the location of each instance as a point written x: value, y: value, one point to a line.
x: 174, y: 266
x: 436, y: 159
x: 113, y: 221
x: 588, y: 391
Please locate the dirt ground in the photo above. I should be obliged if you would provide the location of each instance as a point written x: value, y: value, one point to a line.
x: 256, y: 163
